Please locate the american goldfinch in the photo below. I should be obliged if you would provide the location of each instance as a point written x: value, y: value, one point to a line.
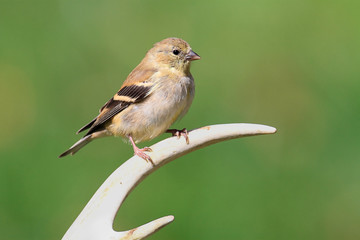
x: 154, y: 95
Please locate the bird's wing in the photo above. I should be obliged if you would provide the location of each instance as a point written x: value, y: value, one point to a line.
x: 127, y: 95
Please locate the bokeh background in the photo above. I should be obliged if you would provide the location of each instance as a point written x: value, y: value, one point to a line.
x: 293, y: 65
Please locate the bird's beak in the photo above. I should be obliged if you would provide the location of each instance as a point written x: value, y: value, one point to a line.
x: 191, y: 56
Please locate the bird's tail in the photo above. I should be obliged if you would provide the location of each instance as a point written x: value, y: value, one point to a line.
x: 77, y: 146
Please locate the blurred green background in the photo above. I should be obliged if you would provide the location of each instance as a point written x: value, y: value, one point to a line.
x: 293, y: 65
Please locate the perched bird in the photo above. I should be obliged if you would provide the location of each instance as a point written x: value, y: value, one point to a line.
x: 154, y: 95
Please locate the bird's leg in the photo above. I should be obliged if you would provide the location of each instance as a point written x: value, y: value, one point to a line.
x: 140, y: 151
x: 178, y: 133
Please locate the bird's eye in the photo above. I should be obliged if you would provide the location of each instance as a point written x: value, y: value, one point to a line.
x: 176, y: 52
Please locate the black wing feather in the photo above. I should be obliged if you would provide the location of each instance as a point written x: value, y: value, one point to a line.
x: 134, y: 91
x: 118, y: 106
x: 86, y: 126
x: 113, y: 107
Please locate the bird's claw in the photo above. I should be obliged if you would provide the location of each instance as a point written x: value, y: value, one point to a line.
x: 179, y: 133
x: 146, y: 149
x: 140, y: 152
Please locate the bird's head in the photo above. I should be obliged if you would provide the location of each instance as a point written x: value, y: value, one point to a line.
x: 173, y: 53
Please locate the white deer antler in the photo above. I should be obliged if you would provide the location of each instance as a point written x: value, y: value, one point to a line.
x: 96, y: 220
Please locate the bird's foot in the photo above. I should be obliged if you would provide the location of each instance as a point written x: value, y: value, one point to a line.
x: 140, y: 152
x: 178, y: 133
